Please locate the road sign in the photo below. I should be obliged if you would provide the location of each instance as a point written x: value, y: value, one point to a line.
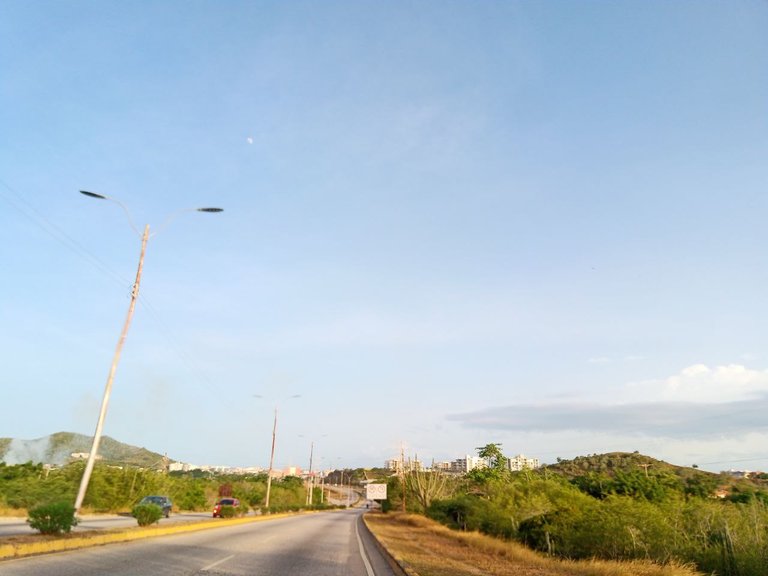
x: 376, y: 492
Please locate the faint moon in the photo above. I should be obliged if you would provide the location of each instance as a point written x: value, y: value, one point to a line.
x: 250, y: 140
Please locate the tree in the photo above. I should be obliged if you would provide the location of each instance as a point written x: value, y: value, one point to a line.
x: 495, y: 460
x: 493, y: 455
x: 427, y: 485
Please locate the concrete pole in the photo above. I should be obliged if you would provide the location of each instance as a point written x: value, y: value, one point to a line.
x: 110, y: 378
x: 311, y: 477
x: 271, y: 461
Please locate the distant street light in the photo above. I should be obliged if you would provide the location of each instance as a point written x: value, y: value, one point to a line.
x: 134, y: 296
x: 272, y: 452
x: 311, y: 477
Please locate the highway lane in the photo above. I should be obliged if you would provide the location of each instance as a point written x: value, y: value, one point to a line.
x: 19, y: 526
x: 320, y: 544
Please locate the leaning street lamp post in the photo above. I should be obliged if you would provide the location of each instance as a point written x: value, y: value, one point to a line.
x: 271, y: 462
x: 310, y: 478
x: 272, y: 451
x: 116, y: 358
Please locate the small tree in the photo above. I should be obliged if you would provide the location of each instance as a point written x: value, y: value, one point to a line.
x: 427, y: 486
x: 496, y: 463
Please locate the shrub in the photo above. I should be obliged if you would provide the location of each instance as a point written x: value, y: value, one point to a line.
x: 229, y: 511
x: 147, y: 514
x: 53, y: 518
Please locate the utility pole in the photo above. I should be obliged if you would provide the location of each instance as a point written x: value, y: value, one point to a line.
x: 110, y: 379
x: 311, y: 477
x: 271, y: 461
x: 116, y: 358
x: 402, y: 472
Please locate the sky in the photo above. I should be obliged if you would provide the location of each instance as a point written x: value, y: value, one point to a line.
x: 446, y: 223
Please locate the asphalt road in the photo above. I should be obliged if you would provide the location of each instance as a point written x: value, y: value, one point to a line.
x: 322, y: 544
x: 19, y: 526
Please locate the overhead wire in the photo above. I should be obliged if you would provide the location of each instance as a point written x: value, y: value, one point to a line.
x: 57, y: 233
x: 17, y: 201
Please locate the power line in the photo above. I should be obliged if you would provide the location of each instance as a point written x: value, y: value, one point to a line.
x: 173, y: 343
x: 57, y: 233
x: 17, y: 201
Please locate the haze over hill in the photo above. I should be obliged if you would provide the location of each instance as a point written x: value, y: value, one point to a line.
x: 57, y: 449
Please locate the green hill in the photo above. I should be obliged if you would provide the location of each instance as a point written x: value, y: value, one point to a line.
x: 626, y: 462
x: 58, y: 449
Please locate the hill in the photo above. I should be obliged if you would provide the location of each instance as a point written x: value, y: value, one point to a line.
x: 586, y: 471
x: 57, y: 449
x: 626, y: 462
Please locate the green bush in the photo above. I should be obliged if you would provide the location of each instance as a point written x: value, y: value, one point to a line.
x: 53, y: 518
x: 191, y: 496
x: 229, y: 511
x: 147, y: 514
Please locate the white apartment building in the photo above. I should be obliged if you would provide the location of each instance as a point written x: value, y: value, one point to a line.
x: 520, y: 462
x: 464, y: 465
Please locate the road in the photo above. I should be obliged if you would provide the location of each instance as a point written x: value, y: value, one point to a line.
x: 321, y: 544
x: 19, y: 526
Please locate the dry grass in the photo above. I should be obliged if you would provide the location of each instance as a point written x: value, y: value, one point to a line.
x: 427, y: 548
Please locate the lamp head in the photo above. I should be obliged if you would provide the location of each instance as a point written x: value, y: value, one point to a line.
x: 93, y: 195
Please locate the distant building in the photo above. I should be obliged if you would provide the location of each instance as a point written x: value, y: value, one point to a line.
x: 467, y: 464
x: 520, y: 462
x: 741, y: 473
x: 462, y: 465
x: 83, y: 456
x: 396, y: 465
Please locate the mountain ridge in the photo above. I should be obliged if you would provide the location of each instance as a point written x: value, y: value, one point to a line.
x: 57, y: 450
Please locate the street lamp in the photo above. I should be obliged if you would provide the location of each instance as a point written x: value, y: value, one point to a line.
x: 272, y: 452
x: 311, y: 477
x: 115, y: 359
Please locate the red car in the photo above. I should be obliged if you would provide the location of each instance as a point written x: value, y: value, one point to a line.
x: 234, y: 502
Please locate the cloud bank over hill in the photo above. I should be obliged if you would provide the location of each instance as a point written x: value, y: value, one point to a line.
x: 700, y: 406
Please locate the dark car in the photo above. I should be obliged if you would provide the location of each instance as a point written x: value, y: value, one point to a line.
x: 162, y: 502
x: 234, y: 502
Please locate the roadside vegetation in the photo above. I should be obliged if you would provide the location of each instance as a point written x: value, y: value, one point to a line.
x: 619, y: 507
x: 114, y: 489
x: 427, y: 548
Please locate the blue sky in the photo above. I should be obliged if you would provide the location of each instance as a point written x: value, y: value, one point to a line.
x: 446, y: 224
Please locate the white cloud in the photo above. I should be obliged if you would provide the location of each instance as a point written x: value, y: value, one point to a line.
x: 700, y: 383
x: 701, y: 414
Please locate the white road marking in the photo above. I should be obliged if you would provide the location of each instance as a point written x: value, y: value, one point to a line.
x: 217, y: 563
x: 368, y: 567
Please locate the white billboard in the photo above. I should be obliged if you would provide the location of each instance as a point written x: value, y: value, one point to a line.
x: 376, y: 492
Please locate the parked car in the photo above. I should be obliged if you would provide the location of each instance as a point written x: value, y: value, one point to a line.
x: 161, y: 501
x: 234, y: 502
